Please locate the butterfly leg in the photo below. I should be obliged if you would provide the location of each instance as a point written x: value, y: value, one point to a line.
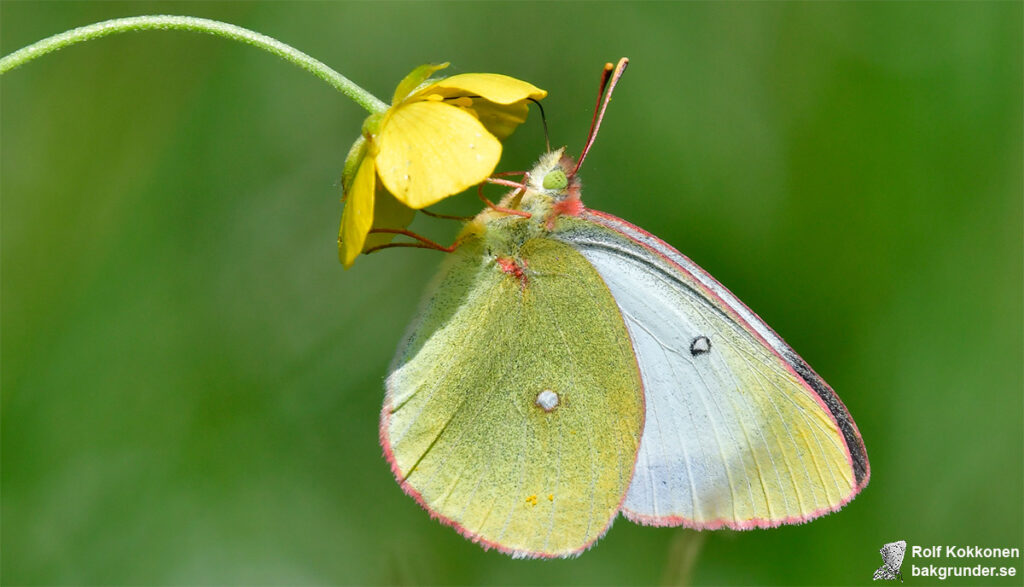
x: 423, y: 242
x: 445, y: 216
x: 519, y: 187
x: 497, y: 208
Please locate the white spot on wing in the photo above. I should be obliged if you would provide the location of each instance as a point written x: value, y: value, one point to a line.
x: 547, y: 400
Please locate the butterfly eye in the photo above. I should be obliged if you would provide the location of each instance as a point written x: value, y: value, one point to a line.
x: 555, y: 180
x: 700, y: 345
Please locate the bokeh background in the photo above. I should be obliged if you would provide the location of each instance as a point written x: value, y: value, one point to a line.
x: 191, y: 382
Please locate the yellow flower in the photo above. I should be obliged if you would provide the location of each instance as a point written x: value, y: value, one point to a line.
x: 435, y: 141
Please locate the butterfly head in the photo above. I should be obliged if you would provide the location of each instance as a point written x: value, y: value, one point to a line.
x: 552, y: 188
x: 554, y: 176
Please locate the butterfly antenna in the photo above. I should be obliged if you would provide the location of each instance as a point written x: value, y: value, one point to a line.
x: 605, y: 74
x: 544, y: 121
x: 609, y: 79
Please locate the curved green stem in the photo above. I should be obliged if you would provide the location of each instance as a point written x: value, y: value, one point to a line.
x: 199, y: 25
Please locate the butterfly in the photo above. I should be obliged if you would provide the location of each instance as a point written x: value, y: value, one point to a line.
x: 567, y: 366
x: 892, y: 560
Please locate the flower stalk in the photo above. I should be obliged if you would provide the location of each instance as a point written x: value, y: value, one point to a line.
x: 199, y: 25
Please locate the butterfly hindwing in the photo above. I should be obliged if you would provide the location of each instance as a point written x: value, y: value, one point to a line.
x: 739, y: 431
x: 513, y: 409
x: 885, y: 573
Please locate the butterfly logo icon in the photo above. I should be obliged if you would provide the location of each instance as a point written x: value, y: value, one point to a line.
x: 892, y: 560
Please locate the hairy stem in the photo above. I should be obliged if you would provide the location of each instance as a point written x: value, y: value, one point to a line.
x: 199, y: 25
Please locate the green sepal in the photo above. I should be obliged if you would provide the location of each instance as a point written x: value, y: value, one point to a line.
x: 414, y: 79
x: 371, y: 126
x: 352, y: 160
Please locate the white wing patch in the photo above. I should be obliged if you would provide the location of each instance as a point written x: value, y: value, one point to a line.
x: 733, y: 436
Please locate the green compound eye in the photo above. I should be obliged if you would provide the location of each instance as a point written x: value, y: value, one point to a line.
x: 555, y: 180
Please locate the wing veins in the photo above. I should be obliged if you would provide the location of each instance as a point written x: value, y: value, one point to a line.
x: 813, y: 424
x: 666, y: 349
x: 397, y: 438
x: 590, y: 441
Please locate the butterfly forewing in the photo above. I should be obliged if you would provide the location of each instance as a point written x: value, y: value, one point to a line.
x: 892, y: 553
x: 509, y: 414
x: 735, y: 435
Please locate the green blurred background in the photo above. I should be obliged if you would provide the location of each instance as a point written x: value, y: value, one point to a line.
x: 191, y: 382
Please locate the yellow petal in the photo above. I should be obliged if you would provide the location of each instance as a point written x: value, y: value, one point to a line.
x: 432, y: 150
x: 500, y: 89
x: 387, y: 213
x: 358, y: 215
x: 414, y: 79
x: 500, y: 120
